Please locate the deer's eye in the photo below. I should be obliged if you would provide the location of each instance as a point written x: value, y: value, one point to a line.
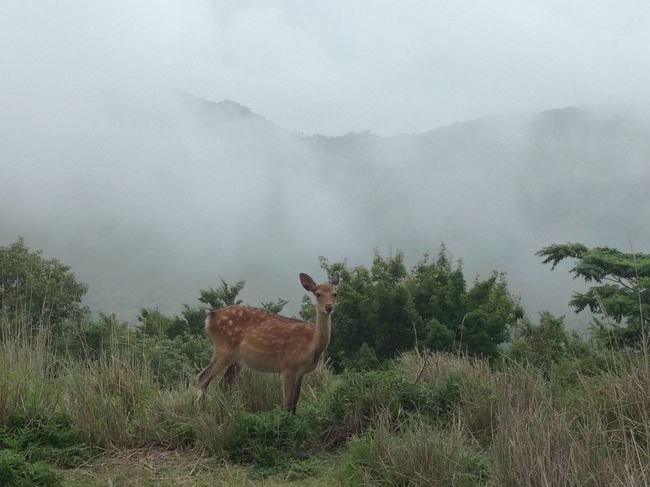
x: 334, y: 294
x: 318, y: 295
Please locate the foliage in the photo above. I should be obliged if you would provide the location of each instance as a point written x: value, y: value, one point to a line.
x: 275, y: 306
x: 426, y: 419
x: 191, y: 321
x: 271, y: 439
x: 546, y: 343
x: 307, y: 310
x: 175, y: 360
x: 47, y: 439
x: 92, y: 338
x: 420, y: 455
x: 549, y: 346
x: 571, y: 415
x: 16, y: 471
x: 361, y: 400
x: 364, y: 359
x: 621, y: 297
x: 154, y: 323
x: 36, y: 291
x: 386, y: 309
x: 225, y: 295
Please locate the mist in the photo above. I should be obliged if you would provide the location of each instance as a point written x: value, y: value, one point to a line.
x: 503, y: 128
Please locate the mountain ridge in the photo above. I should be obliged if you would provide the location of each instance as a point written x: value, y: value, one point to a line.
x: 233, y: 111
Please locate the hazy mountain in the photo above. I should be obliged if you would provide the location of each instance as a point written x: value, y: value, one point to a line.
x: 148, y: 202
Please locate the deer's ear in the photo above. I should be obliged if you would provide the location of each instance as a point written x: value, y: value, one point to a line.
x: 307, y: 282
x: 334, y: 280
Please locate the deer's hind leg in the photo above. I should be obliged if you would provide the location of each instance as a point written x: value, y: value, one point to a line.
x: 209, y: 373
x: 230, y: 375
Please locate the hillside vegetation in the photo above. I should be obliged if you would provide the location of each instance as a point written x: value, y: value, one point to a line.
x: 93, y: 401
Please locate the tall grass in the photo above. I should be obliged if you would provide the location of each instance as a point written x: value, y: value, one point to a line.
x: 28, y: 382
x: 429, y: 419
x: 597, y: 432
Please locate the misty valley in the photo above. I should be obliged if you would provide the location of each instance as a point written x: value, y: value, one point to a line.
x: 168, y: 197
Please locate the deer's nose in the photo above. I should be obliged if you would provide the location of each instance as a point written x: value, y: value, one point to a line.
x: 329, y: 307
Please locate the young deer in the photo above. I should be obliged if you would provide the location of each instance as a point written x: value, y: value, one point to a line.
x: 266, y: 342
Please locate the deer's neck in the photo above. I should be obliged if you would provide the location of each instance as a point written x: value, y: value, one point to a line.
x: 322, y: 330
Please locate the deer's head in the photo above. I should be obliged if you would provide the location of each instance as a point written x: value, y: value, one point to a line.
x: 325, y: 294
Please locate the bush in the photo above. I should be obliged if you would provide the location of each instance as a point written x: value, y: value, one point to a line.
x: 176, y: 360
x: 92, y: 339
x: 48, y: 439
x: 357, y: 402
x: 381, y: 311
x: 16, y: 471
x: 271, y: 440
x: 29, y: 447
x: 420, y: 455
x: 38, y: 292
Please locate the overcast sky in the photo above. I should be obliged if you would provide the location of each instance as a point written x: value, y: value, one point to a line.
x: 334, y: 67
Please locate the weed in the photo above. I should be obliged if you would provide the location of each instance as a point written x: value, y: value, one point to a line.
x: 270, y: 440
x: 48, y: 439
x: 419, y: 455
x: 17, y: 471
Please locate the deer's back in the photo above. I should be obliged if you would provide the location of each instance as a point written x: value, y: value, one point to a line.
x: 257, y: 328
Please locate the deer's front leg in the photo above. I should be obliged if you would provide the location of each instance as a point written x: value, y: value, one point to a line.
x: 296, y: 394
x: 289, y: 387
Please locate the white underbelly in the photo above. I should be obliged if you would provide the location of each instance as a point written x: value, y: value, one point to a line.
x: 258, y: 360
x: 259, y: 367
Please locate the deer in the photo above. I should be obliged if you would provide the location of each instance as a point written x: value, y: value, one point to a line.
x: 243, y: 336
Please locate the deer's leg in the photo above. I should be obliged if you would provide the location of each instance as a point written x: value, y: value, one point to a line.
x: 230, y: 375
x: 207, y: 374
x: 296, y: 395
x: 289, y: 386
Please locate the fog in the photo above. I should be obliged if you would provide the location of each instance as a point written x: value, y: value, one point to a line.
x: 118, y: 156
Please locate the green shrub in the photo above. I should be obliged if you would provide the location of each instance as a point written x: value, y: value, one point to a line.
x: 38, y: 292
x: 420, y: 455
x: 48, y: 439
x: 355, y: 404
x: 364, y: 395
x: 448, y: 396
x: 568, y: 372
x: 17, y: 471
x: 271, y: 439
x: 176, y: 360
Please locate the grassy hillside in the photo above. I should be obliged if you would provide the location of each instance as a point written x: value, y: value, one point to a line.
x: 425, y: 419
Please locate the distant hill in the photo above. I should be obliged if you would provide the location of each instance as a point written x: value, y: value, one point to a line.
x: 148, y: 212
